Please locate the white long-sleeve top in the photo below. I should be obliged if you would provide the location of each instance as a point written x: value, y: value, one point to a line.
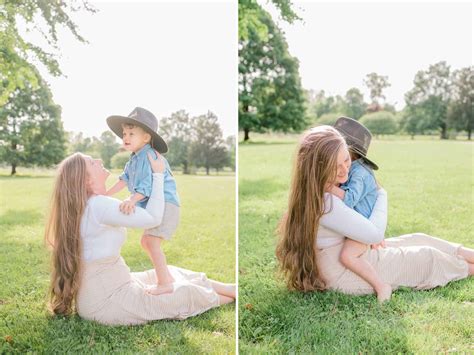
x: 103, y: 226
x: 341, y: 221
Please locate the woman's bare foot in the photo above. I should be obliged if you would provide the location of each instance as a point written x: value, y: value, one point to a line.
x: 384, y: 293
x: 466, y: 253
x: 160, y: 289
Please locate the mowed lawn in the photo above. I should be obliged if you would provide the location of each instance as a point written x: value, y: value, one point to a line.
x: 205, y: 241
x: 430, y: 190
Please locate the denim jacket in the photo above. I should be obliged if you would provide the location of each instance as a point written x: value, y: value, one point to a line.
x: 360, y: 188
x: 138, y: 176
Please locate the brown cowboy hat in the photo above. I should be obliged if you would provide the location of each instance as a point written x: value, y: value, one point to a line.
x: 357, y: 137
x: 144, y: 119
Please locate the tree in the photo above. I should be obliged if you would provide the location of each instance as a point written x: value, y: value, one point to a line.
x: 107, y: 147
x: 376, y: 84
x: 382, y: 122
x: 18, y: 55
x: 428, y: 101
x: 119, y: 160
x: 231, y: 148
x: 177, y: 131
x: 329, y: 119
x: 207, y: 148
x: 31, y: 131
x: 355, y: 106
x: 79, y: 143
x: 270, y: 92
x: 461, y: 111
x: 249, y: 17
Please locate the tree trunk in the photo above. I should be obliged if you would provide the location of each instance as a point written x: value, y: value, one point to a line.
x: 469, y: 134
x: 13, y: 169
x: 207, y: 170
x: 246, y: 134
x: 444, y: 132
x: 185, y: 168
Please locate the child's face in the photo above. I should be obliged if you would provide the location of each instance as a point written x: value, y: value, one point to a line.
x: 134, y: 138
x: 343, y: 165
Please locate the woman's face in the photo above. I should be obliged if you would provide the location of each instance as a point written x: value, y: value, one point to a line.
x: 97, y: 175
x: 343, y: 165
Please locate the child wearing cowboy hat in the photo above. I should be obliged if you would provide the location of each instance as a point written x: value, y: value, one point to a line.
x: 360, y: 193
x: 139, y: 136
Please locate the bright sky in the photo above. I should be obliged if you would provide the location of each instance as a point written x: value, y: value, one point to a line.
x: 163, y: 56
x: 338, y: 44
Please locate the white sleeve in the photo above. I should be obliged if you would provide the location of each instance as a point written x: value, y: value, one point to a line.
x: 351, y: 224
x: 108, y: 209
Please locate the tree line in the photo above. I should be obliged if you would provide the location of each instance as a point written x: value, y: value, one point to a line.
x: 193, y: 142
x: 271, y: 97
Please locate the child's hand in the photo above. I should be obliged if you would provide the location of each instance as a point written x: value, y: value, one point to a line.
x: 158, y: 165
x: 127, y: 206
x: 379, y: 245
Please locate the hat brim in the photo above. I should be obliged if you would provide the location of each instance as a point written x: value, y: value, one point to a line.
x: 366, y: 160
x: 115, y: 124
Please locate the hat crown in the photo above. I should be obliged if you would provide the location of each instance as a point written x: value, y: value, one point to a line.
x: 356, y: 134
x: 145, y: 117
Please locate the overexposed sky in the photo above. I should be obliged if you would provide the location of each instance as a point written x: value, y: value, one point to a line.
x: 339, y: 43
x: 163, y: 56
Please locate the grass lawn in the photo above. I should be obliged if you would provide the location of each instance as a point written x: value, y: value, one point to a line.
x: 430, y: 190
x: 205, y: 241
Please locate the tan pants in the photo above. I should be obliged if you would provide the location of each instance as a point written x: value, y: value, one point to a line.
x: 414, y: 260
x: 110, y: 294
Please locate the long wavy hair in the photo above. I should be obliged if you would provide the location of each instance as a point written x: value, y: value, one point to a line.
x: 314, y: 168
x: 62, y: 233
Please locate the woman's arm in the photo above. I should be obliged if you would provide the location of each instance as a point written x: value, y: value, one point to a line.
x: 109, y: 212
x: 353, y: 225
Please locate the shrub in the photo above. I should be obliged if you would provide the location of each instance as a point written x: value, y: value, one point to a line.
x: 120, y: 159
x: 381, y: 122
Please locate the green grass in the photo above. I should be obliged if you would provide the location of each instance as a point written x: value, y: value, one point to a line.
x: 430, y: 189
x: 205, y: 241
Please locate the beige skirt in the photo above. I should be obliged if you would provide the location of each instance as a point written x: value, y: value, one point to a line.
x: 414, y: 260
x: 110, y: 294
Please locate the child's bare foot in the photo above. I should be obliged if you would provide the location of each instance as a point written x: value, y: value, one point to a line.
x: 160, y: 289
x: 384, y: 293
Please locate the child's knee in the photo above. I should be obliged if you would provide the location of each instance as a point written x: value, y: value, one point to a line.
x: 345, y: 257
x: 144, y: 242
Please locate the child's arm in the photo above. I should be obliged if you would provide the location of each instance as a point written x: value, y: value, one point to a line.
x: 119, y: 185
x: 335, y: 190
x: 355, y: 190
x: 128, y: 205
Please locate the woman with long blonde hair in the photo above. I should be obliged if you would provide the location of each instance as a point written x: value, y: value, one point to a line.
x: 313, y: 229
x: 85, y: 231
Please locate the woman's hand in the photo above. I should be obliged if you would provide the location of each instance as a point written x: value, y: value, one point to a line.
x: 158, y: 165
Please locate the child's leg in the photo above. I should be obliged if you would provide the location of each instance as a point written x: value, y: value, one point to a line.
x: 152, y: 245
x: 350, y: 258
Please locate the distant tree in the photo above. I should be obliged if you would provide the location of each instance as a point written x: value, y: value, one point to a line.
x: 250, y: 21
x: 328, y: 119
x: 380, y: 123
x: 427, y: 103
x: 270, y: 92
x: 207, y: 148
x: 79, y: 143
x: 461, y: 109
x: 354, y: 105
x: 31, y: 131
x: 107, y: 147
x: 231, y: 148
x: 119, y: 160
x: 177, y: 131
x: 376, y: 84
x: 18, y: 55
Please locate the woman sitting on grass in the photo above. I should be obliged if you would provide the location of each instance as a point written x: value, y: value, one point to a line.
x: 85, y: 230
x: 313, y: 230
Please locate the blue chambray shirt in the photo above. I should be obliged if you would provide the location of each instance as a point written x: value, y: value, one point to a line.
x: 138, y: 176
x: 360, y: 188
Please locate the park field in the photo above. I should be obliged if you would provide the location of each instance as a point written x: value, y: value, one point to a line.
x: 430, y: 190
x: 205, y: 241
